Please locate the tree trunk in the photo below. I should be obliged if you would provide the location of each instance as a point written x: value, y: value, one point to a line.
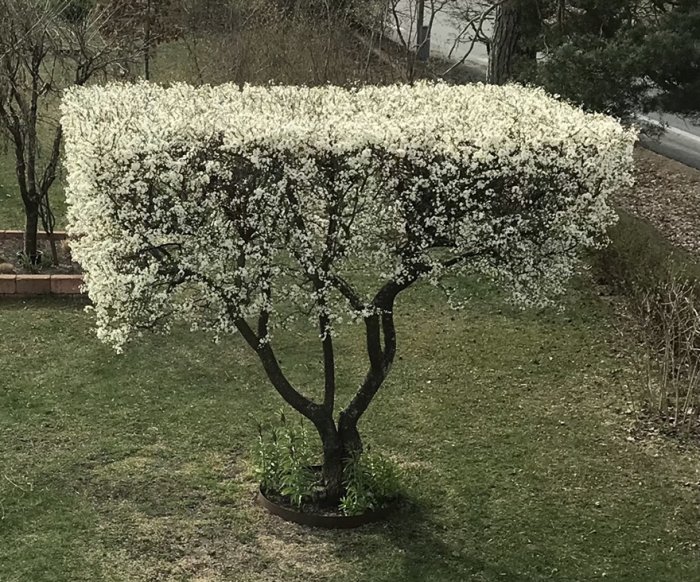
x: 561, y: 15
x: 30, y: 230
x: 350, y: 436
x: 503, y: 43
x: 147, y: 44
x: 333, y: 464
x: 341, y: 442
x: 338, y: 447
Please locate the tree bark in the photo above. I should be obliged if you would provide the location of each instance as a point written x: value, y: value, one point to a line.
x: 31, y: 227
x: 147, y: 44
x: 46, y: 215
x: 339, y: 446
x: 350, y: 436
x: 333, y: 465
x: 503, y: 44
x: 561, y: 15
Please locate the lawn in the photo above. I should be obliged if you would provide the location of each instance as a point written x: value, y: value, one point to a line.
x: 510, y: 426
x: 11, y: 211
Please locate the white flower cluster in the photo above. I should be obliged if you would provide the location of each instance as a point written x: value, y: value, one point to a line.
x: 214, y: 204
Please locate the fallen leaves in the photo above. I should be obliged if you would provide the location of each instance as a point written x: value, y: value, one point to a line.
x: 667, y: 194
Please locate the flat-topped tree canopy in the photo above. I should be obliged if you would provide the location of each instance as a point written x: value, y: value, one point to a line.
x: 438, y: 117
x: 213, y: 203
x: 226, y: 207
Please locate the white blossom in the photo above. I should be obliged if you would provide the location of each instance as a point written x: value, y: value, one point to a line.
x: 213, y: 204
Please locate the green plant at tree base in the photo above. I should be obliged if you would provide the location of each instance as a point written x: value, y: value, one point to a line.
x: 284, y: 462
x: 284, y: 459
x: 25, y: 263
x: 371, y: 481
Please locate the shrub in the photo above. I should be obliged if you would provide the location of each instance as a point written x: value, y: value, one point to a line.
x: 637, y: 259
x: 661, y: 285
x: 669, y: 322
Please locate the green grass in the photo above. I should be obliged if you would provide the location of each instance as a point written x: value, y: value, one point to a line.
x: 11, y: 210
x: 135, y: 467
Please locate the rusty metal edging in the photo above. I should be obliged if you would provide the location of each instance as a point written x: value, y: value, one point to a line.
x: 325, y: 521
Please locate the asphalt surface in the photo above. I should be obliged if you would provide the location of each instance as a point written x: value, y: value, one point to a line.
x: 680, y: 141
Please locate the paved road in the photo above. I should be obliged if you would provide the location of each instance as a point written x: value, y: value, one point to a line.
x: 681, y: 141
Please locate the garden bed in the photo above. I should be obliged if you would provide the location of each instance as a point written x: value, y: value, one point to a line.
x: 314, y: 516
x: 11, y: 247
x: 17, y: 279
x: 667, y: 194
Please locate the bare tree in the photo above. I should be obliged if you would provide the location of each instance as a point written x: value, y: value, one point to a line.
x: 472, y: 18
x: 310, y: 42
x: 409, y: 23
x: 45, y: 46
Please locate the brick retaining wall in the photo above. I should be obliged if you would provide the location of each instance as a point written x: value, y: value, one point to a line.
x: 33, y: 285
x: 41, y: 284
x: 19, y: 235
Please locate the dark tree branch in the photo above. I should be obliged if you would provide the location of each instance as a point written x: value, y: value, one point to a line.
x: 381, y: 324
x: 381, y: 358
x: 348, y: 292
x: 328, y: 364
x: 49, y: 175
x: 291, y: 396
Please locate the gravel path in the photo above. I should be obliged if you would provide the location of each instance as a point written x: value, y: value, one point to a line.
x: 667, y: 194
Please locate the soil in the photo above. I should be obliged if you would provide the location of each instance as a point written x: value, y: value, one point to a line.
x: 667, y: 194
x: 9, y: 249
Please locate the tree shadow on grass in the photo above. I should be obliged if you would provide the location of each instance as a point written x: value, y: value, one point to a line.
x: 415, y: 551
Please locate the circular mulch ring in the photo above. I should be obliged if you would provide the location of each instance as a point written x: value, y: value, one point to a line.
x: 329, y: 521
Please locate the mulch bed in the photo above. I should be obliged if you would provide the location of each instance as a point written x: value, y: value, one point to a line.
x: 667, y: 194
x: 9, y: 249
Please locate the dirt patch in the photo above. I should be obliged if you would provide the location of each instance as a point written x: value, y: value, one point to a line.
x: 219, y: 536
x: 667, y: 194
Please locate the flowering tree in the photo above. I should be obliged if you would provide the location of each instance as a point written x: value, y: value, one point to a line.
x: 227, y: 208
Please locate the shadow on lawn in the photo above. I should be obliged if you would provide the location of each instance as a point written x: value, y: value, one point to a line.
x: 412, y: 542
